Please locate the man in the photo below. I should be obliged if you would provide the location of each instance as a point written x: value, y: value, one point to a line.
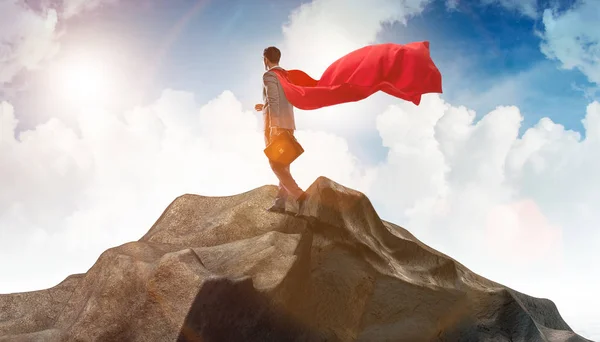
x: 278, y: 116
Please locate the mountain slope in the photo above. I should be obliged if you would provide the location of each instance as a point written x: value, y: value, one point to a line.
x: 224, y: 269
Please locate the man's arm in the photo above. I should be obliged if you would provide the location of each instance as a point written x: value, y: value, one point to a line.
x: 270, y: 83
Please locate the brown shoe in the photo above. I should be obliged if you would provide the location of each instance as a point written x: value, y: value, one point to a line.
x: 276, y: 209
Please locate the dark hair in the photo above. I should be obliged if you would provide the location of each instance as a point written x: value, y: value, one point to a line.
x: 272, y: 54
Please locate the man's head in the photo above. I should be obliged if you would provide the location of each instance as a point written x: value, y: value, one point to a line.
x: 271, y: 56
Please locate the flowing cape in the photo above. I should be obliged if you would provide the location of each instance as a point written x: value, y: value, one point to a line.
x: 403, y: 71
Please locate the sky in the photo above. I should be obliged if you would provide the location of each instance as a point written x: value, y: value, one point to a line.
x: 110, y: 109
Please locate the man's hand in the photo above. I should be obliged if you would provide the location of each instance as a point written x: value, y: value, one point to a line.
x: 259, y: 107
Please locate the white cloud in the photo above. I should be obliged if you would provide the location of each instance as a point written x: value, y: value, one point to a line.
x: 573, y: 38
x: 452, y: 4
x: 74, y: 7
x: 28, y: 35
x: 441, y: 161
x: 73, y: 196
x: 525, y: 7
x: 505, y: 91
x: 26, y: 38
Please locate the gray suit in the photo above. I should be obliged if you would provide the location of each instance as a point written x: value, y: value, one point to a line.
x: 277, y: 111
x: 278, y: 115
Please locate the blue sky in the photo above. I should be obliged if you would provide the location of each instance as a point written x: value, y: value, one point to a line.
x: 121, y: 107
x: 211, y: 46
x: 493, y: 43
x: 500, y: 44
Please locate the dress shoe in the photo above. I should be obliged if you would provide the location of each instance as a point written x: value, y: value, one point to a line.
x: 276, y: 209
x: 302, y: 204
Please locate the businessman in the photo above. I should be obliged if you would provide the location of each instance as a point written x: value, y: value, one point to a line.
x: 278, y: 116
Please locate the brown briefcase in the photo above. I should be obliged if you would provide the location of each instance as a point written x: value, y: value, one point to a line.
x: 284, y: 148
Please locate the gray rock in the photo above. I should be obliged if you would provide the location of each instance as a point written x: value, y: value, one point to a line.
x: 224, y: 269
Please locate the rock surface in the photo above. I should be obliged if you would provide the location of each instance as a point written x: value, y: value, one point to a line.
x: 223, y: 269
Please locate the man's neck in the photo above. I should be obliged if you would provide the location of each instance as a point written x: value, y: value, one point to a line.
x: 274, y: 66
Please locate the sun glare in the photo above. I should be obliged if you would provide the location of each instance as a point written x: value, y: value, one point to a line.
x: 84, y: 80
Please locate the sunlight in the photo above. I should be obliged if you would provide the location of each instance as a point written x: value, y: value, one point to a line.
x: 84, y: 80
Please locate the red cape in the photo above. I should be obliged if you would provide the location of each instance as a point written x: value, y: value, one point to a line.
x: 403, y: 71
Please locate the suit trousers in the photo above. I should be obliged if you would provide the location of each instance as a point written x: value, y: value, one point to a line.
x: 287, y: 184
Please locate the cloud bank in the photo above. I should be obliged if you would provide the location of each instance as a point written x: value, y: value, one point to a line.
x: 572, y: 38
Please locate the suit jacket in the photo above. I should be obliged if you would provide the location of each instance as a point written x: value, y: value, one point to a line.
x: 277, y: 111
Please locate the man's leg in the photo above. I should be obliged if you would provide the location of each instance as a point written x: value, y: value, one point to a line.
x: 287, y: 183
x: 281, y: 197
